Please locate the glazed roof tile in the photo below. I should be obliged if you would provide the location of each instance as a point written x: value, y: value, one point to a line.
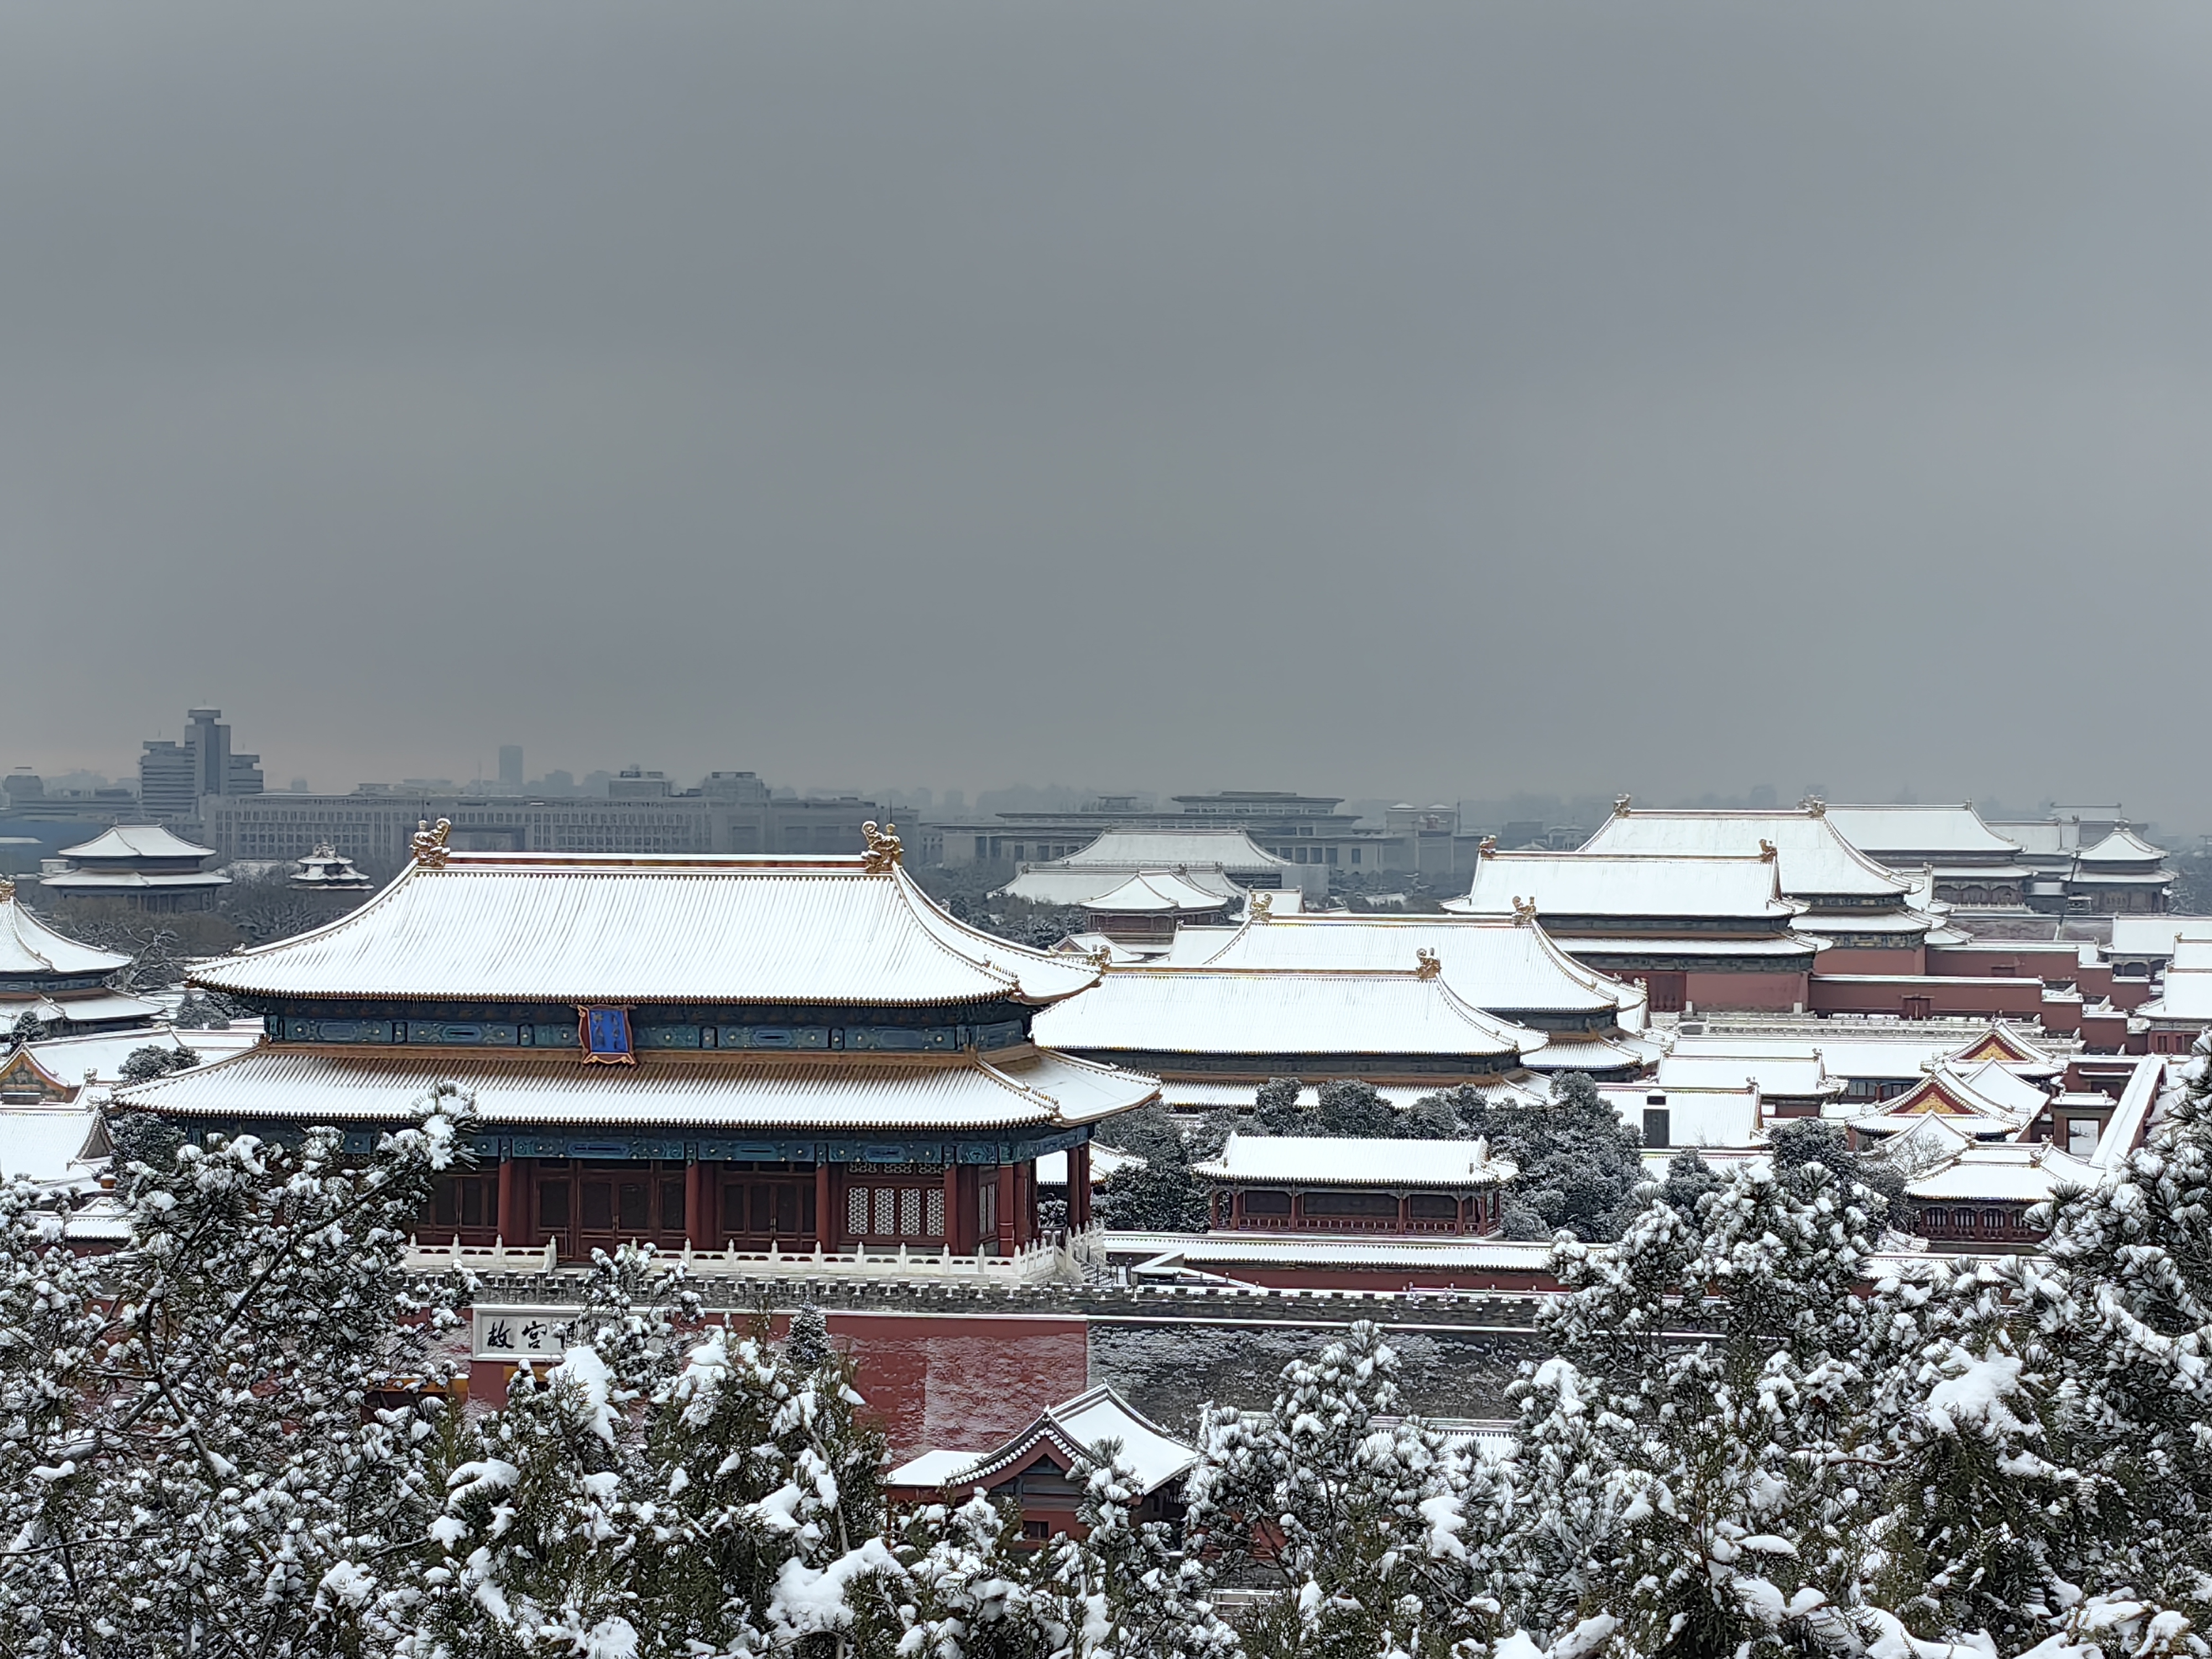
x: 1332, y: 1161
x: 1941, y: 831
x: 326, y: 1085
x: 1237, y: 1010
x: 1813, y: 857
x: 557, y: 928
x: 1629, y: 884
x: 31, y: 950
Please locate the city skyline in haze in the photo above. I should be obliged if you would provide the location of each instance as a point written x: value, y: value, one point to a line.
x: 1404, y: 400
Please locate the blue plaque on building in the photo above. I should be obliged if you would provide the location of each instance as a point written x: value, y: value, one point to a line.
x: 606, y: 1036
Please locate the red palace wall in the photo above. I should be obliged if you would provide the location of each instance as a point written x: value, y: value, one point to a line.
x: 1838, y: 958
x: 959, y: 1382
x: 2016, y: 998
x: 2056, y: 963
x: 1768, y: 993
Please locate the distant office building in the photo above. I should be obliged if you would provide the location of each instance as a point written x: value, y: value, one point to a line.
x: 175, y: 778
x: 642, y: 812
x: 510, y: 766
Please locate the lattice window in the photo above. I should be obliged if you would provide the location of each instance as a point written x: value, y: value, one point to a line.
x: 910, y: 1212
x: 936, y: 1227
x: 856, y: 1211
x: 887, y: 1212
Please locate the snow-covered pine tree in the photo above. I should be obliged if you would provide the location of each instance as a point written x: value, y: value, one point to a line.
x: 237, y: 1462
x: 1731, y: 1444
x: 1982, y: 1518
x: 767, y: 1505
x: 1122, y: 1590
x: 1376, y: 1535
x: 806, y: 1345
x: 2130, y: 1322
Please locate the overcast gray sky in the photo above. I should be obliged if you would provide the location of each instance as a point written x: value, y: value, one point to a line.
x: 1425, y: 399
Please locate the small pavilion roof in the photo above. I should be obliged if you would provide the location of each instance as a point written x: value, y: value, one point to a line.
x: 2004, y: 1102
x: 2187, y: 994
x: 50, y: 1143
x: 136, y: 841
x: 1940, y: 832
x: 2016, y: 1173
x: 1074, y: 1430
x: 1793, y: 1077
x: 1157, y: 892
x: 614, y: 928
x: 31, y: 950
x: 1814, y: 859
x: 1706, y: 888
x: 1329, y: 1161
x: 2155, y: 936
x: 1242, y: 1010
x: 2122, y: 847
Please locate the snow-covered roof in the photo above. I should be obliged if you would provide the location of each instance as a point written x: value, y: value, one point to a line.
x: 49, y: 1144
x: 1791, y: 944
x: 99, y: 1006
x: 136, y: 841
x: 2190, y: 954
x: 966, y: 1092
x: 1228, y: 1252
x: 1487, y: 961
x: 1241, y: 1011
x: 2002, y: 1102
x: 2186, y: 995
x: 2010, y: 1173
x: 1155, y: 892
x: 1085, y: 884
x: 102, y: 1053
x: 614, y: 928
x: 1105, y: 1162
x: 130, y: 881
x: 1939, y: 832
x: 1196, y: 1095
x: 1562, y: 884
x: 1871, y: 1058
x: 1328, y: 1161
x: 1076, y: 1429
x: 2154, y: 936
x: 31, y: 950
x: 1794, y: 1077
x: 1713, y: 1117
x: 1813, y: 857
x: 1164, y: 849
x: 2122, y: 846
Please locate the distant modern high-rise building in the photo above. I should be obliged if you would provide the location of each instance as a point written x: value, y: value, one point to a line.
x: 173, y: 778
x: 510, y: 766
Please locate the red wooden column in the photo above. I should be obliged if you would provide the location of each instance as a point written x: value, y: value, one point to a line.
x: 702, y: 1198
x: 1078, y: 1186
x: 1007, y: 1196
x: 956, y: 1240
x: 827, y: 1228
x: 512, y: 1226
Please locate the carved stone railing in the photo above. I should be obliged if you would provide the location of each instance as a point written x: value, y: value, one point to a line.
x: 1059, y: 1259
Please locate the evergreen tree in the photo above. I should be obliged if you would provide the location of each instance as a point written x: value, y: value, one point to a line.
x: 1579, y: 1166
x: 2129, y: 1320
x: 806, y: 1346
x: 1276, y: 1110
x: 201, y: 1451
x: 1354, y: 1110
x: 156, y: 1060
x: 1377, y: 1537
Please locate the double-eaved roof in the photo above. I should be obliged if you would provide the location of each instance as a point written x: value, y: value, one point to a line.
x: 520, y: 1090
x: 136, y: 841
x: 581, y: 927
x: 29, y: 949
x: 1815, y: 861
x: 1248, y: 1011
x: 1158, y: 892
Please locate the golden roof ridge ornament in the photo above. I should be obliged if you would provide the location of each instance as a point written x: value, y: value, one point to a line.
x: 885, y: 852
x: 1102, y: 958
x: 1485, y: 847
x: 428, y: 845
x: 1426, y: 964
x: 1814, y: 807
x: 1524, y: 911
x: 1620, y: 805
x: 1767, y: 853
x: 8, y: 894
x: 1261, y: 906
